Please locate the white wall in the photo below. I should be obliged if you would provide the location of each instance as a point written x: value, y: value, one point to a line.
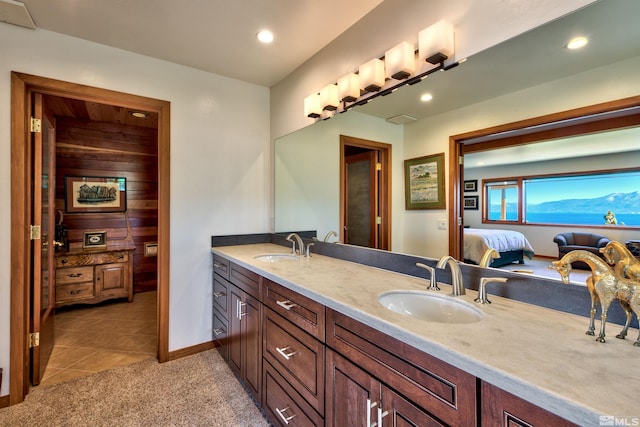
x: 220, y: 160
x: 430, y: 136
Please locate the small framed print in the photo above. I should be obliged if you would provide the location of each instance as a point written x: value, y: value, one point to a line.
x: 471, y: 186
x: 95, y: 194
x: 471, y: 203
x: 151, y: 249
x: 94, y: 239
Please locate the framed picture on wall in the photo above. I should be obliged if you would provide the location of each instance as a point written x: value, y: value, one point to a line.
x: 471, y: 203
x: 471, y: 186
x: 424, y: 182
x: 93, y: 194
x: 94, y: 239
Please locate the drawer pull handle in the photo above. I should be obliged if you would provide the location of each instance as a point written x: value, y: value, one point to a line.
x: 63, y: 261
x: 218, y: 294
x: 72, y: 292
x: 283, y: 352
x: 370, y: 406
x: 285, y: 418
x: 218, y: 331
x: 74, y: 275
x: 381, y: 415
x: 217, y: 265
x: 287, y: 305
x: 121, y: 256
x: 239, y: 313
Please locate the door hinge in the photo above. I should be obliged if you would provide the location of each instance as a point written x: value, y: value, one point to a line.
x: 378, y: 220
x: 34, y: 339
x: 461, y: 160
x: 378, y: 166
x: 34, y: 232
x: 36, y: 125
x: 459, y: 220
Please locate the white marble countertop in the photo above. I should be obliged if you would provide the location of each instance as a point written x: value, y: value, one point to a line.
x: 539, y: 354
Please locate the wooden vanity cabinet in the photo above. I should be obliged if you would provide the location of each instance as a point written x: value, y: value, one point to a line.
x: 438, y: 391
x: 500, y: 408
x: 89, y: 277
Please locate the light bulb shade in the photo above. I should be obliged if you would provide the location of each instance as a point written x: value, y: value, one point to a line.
x: 348, y: 88
x: 372, y: 75
x: 329, y: 97
x: 400, y: 61
x: 436, y: 43
x: 312, y: 106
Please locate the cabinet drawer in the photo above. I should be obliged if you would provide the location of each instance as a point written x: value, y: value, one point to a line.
x: 74, y: 292
x: 91, y: 259
x: 441, y: 389
x: 304, y: 312
x: 297, y: 355
x: 221, y: 296
x: 221, y: 266
x: 246, y: 280
x: 283, y: 404
x: 65, y: 276
x: 220, y: 333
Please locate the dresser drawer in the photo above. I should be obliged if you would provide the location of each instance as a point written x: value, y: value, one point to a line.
x: 74, y: 292
x: 297, y: 355
x: 302, y: 311
x: 91, y: 259
x: 246, y: 280
x: 221, y: 266
x: 65, y: 276
x: 221, y: 296
x: 283, y: 404
x: 220, y: 334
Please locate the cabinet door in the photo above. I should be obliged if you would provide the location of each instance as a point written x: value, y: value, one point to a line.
x: 234, y: 337
x: 111, y: 279
x: 397, y: 411
x: 352, y: 395
x: 251, y: 316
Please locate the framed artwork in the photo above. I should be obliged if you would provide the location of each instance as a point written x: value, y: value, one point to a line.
x: 94, y: 239
x: 424, y: 182
x: 471, y: 203
x: 93, y: 194
x: 471, y: 185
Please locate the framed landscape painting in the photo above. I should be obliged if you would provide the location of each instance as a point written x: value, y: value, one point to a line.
x: 92, y: 194
x: 424, y: 182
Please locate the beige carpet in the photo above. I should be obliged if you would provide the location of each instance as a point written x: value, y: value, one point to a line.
x: 198, y: 390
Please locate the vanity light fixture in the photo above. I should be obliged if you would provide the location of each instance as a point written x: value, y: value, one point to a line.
x: 265, y: 36
x: 372, y: 75
x: 329, y: 97
x: 436, y: 43
x: 348, y: 88
x: 312, y: 106
x: 577, y: 43
x: 400, y: 61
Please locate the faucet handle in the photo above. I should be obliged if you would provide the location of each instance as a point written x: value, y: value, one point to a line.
x: 482, y: 290
x: 433, y: 285
x: 308, y: 253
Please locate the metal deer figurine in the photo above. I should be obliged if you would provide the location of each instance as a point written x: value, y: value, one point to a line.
x: 604, y: 286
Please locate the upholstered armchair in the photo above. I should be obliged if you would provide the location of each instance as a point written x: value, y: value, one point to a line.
x: 571, y: 241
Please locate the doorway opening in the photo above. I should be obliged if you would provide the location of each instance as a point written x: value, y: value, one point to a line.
x: 365, y: 193
x: 23, y: 89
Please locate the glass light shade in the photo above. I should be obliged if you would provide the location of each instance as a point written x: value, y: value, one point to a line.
x: 312, y: 106
x: 372, y: 75
x: 400, y: 61
x: 329, y: 97
x: 349, y: 88
x: 436, y: 43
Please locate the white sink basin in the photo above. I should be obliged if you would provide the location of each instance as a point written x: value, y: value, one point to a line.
x: 430, y: 306
x: 276, y: 257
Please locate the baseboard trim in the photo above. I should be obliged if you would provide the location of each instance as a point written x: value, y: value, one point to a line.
x: 188, y: 351
x: 4, y: 401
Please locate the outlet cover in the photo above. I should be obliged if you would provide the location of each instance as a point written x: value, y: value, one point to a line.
x: 442, y: 224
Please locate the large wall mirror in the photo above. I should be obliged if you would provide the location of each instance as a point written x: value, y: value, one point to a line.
x: 531, y: 75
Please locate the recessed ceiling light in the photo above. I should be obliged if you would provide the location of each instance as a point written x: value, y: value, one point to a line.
x: 577, y: 43
x: 426, y: 97
x: 138, y: 114
x: 265, y: 36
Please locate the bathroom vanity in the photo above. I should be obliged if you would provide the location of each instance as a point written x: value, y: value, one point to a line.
x: 330, y: 354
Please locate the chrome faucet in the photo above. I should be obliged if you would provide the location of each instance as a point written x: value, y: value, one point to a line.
x: 329, y: 234
x: 482, y: 290
x: 433, y: 285
x: 297, y: 240
x: 456, y: 274
x: 488, y: 256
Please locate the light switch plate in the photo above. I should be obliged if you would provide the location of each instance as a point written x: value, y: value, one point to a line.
x: 442, y: 224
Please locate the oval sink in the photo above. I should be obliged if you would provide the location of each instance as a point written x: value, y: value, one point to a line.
x: 276, y: 257
x: 430, y: 307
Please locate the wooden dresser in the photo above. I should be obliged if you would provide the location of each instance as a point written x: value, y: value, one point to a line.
x: 92, y: 276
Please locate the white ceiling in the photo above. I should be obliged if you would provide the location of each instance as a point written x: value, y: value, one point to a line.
x: 212, y: 35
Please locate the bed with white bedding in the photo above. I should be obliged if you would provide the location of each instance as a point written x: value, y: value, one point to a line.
x: 512, y: 245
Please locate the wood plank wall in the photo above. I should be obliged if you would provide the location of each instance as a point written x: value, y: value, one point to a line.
x: 89, y: 148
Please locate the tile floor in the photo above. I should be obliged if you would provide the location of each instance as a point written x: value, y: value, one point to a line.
x: 89, y: 339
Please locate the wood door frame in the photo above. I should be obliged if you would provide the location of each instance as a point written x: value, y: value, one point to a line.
x: 22, y: 86
x: 385, y: 184
x: 562, y: 124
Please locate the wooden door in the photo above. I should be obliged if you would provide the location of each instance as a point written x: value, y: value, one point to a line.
x: 361, y: 199
x: 235, y: 330
x: 251, y: 345
x: 399, y: 412
x: 42, y: 239
x: 352, y: 395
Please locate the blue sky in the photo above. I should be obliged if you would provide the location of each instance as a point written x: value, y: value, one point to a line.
x: 560, y: 189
